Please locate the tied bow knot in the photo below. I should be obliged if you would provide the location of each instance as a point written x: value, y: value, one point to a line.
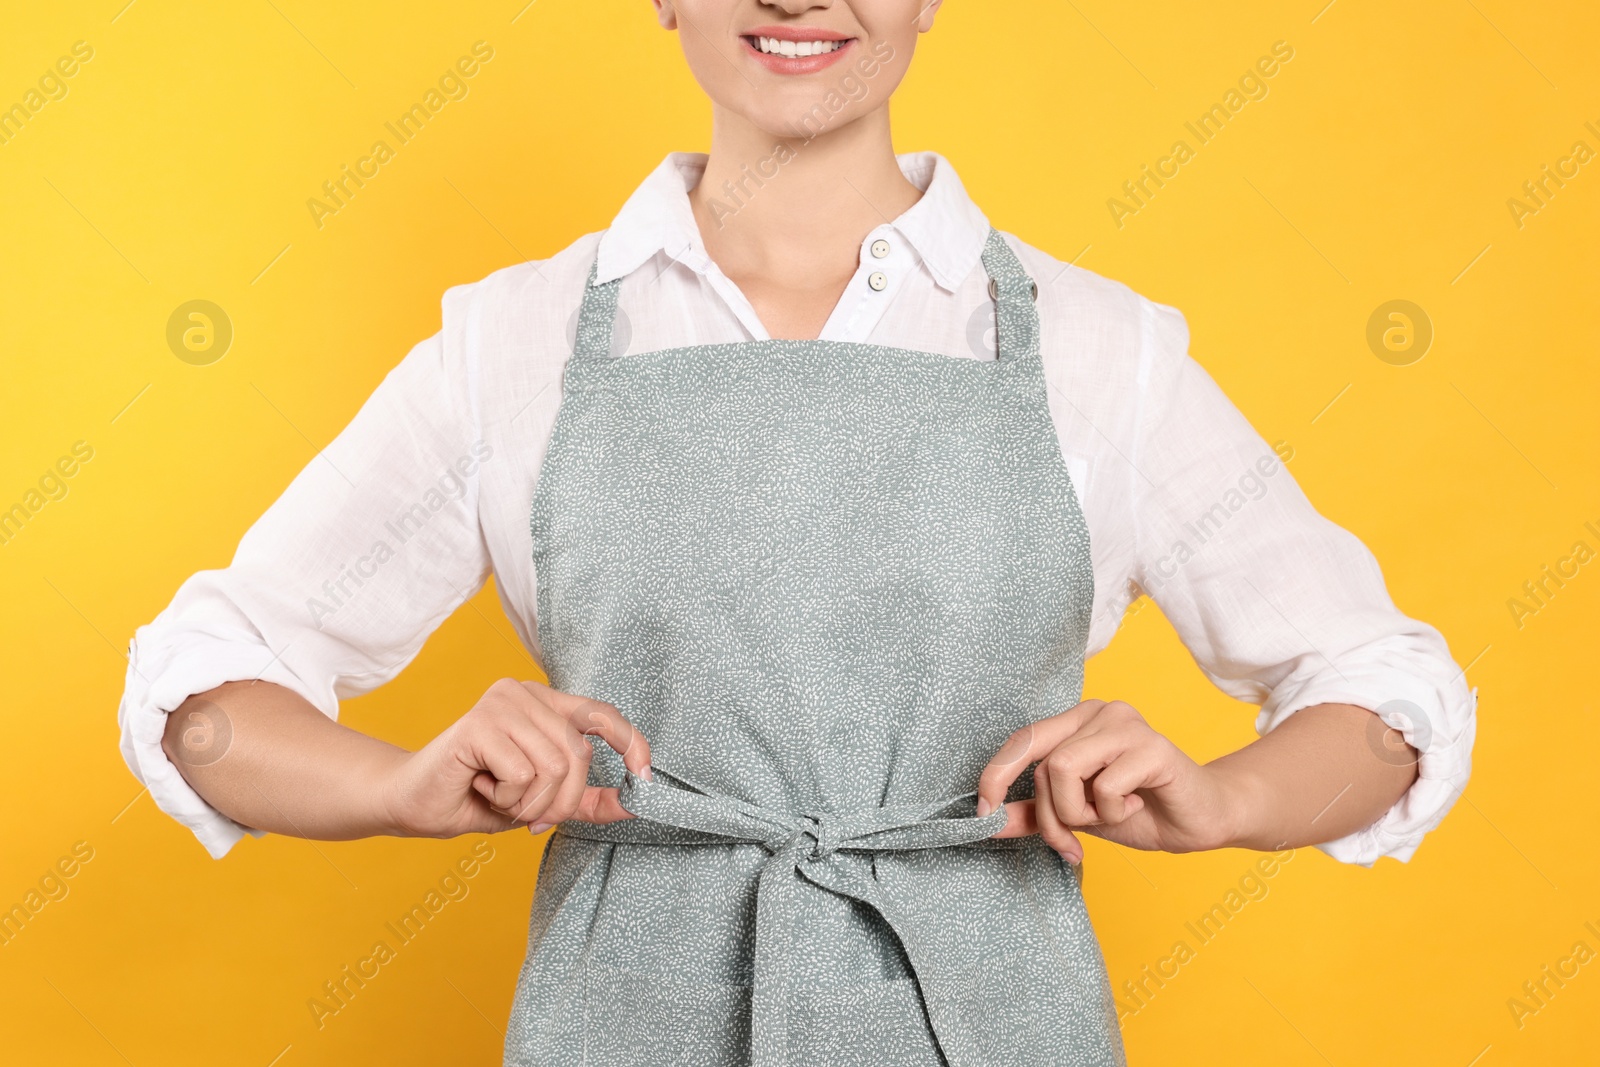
x: 805, y: 847
x: 812, y: 837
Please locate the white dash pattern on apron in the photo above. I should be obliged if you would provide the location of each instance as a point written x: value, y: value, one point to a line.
x: 826, y: 580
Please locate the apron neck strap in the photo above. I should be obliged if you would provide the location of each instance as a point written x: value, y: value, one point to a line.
x: 1014, y: 293
x: 595, y: 316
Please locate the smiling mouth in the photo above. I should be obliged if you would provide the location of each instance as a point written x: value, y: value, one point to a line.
x: 774, y: 46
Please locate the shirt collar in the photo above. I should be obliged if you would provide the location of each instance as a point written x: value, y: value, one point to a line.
x: 945, y: 227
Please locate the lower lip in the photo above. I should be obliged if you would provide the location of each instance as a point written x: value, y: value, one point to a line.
x: 797, y: 64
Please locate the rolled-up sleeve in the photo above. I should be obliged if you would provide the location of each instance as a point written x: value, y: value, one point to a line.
x: 1278, y: 605
x: 336, y: 587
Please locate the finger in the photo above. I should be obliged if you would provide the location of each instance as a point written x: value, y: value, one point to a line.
x: 601, y: 805
x: 1020, y: 820
x: 492, y: 750
x: 552, y: 765
x: 596, y: 718
x: 483, y: 782
x: 1023, y: 820
x: 1114, y: 787
x: 1051, y: 829
x: 569, y: 792
x: 1026, y: 747
x: 1070, y: 767
x: 484, y: 818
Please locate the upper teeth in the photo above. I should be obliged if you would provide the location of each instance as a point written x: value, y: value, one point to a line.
x: 774, y: 46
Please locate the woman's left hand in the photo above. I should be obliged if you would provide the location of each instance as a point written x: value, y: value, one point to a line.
x: 1103, y: 770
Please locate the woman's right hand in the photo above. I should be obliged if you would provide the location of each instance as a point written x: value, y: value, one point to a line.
x: 519, y: 757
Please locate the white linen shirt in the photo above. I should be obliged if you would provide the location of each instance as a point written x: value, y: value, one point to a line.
x: 426, y: 492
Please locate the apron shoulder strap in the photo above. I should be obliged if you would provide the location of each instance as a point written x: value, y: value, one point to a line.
x: 1014, y: 293
x: 596, y: 313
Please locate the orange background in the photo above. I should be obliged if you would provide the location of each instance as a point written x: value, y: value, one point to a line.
x: 1378, y: 167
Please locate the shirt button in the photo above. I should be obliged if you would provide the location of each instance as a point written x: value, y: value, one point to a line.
x: 880, y: 248
x: 878, y: 280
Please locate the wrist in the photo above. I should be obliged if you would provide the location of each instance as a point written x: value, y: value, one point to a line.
x: 1245, y: 806
x: 386, y: 794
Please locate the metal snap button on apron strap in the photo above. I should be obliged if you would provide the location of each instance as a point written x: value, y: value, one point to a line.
x: 880, y: 248
x: 994, y: 290
x: 878, y: 280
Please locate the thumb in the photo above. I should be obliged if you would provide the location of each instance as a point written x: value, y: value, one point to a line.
x: 490, y: 820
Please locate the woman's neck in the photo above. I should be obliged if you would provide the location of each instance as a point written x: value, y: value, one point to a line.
x: 784, y: 218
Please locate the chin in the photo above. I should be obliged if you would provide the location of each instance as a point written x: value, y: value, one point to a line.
x: 800, y: 119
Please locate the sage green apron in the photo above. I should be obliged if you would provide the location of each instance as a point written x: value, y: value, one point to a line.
x: 827, y: 581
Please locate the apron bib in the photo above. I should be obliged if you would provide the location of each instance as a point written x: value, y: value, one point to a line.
x: 826, y: 580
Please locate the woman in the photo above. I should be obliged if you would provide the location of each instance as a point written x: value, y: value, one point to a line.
x: 812, y: 493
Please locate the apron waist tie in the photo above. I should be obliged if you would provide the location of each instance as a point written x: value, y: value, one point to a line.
x: 807, y: 843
